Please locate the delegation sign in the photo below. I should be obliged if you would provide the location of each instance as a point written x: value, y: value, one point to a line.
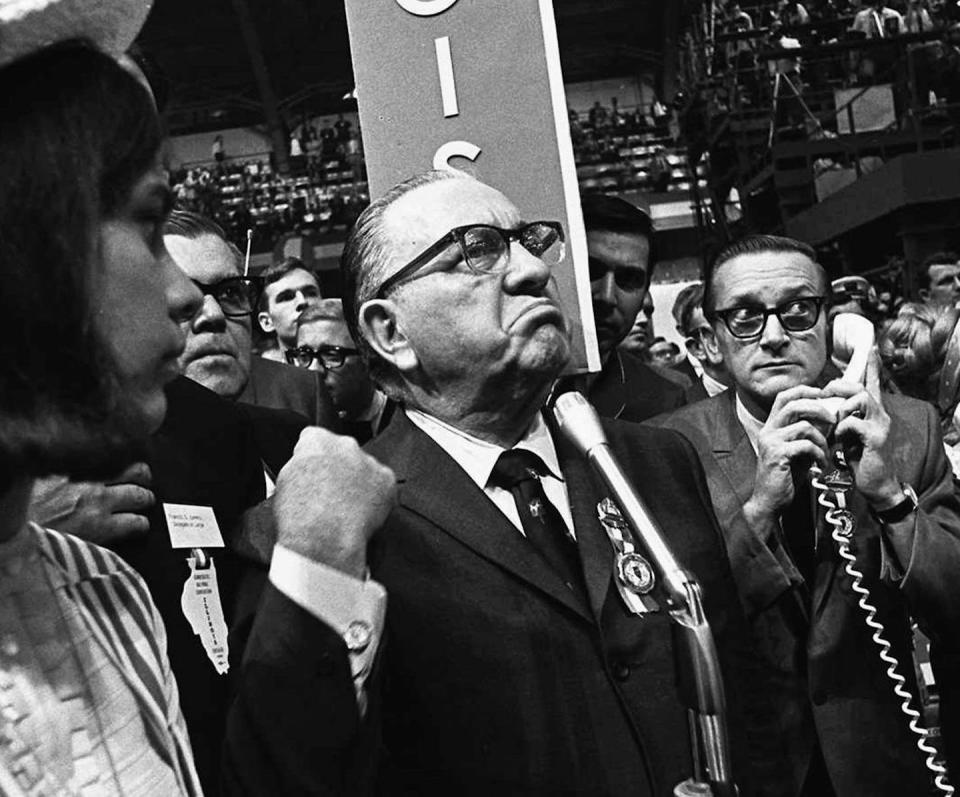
x: 475, y: 85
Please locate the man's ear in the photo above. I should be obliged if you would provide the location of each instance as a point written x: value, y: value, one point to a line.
x: 924, y: 294
x: 711, y: 349
x: 266, y: 322
x: 380, y: 326
x: 694, y: 349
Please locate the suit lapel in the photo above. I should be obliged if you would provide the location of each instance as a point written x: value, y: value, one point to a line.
x: 765, y: 573
x: 435, y: 487
x: 596, y: 554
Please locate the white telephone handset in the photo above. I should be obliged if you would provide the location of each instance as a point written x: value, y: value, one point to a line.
x: 852, y: 340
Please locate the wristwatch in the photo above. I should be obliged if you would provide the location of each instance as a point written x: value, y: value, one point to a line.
x: 900, y: 510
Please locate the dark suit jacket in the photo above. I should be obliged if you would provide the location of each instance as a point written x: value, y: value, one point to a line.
x: 492, y: 678
x: 821, y: 661
x: 209, y: 452
x: 496, y: 679
x: 635, y: 393
x: 286, y: 387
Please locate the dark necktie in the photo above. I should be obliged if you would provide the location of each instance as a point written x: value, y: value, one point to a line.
x: 519, y: 472
x: 798, y: 527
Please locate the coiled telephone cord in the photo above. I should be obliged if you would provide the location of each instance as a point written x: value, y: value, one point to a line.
x: 842, y: 522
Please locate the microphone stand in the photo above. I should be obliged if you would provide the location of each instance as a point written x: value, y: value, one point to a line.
x: 681, y: 595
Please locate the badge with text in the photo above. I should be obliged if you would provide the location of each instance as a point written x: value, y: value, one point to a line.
x: 633, y: 574
x: 202, y: 608
x: 192, y: 526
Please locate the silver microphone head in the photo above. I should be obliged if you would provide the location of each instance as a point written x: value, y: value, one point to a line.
x: 579, y: 421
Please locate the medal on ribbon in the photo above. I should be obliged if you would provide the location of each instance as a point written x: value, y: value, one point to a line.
x: 634, y: 576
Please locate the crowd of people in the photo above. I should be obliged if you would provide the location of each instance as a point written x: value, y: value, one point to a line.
x: 924, y: 70
x: 239, y: 599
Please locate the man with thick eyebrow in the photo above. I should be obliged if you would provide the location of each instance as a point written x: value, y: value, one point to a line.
x: 620, y: 243
x: 289, y: 288
x: 513, y: 662
x: 839, y: 728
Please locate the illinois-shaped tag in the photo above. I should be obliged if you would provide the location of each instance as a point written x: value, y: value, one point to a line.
x: 202, y: 608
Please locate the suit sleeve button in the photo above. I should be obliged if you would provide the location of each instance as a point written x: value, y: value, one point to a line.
x: 621, y: 670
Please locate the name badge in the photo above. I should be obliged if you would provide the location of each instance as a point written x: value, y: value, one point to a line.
x: 192, y: 526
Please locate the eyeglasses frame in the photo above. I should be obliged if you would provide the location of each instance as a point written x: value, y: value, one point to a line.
x: 723, y: 315
x: 207, y: 289
x: 315, y: 354
x: 455, y: 236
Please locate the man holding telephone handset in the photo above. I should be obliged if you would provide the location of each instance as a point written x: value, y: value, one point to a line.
x: 835, y: 724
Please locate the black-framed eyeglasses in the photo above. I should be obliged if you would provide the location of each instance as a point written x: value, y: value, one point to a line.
x: 748, y: 321
x: 329, y: 357
x: 485, y: 248
x: 237, y: 296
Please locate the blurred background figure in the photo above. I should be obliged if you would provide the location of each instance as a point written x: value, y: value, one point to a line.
x: 941, y: 273
x: 920, y: 350
x: 664, y: 352
x: 324, y: 344
x: 703, y: 362
x: 640, y: 336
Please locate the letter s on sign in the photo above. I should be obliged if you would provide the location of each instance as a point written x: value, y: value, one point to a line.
x: 463, y: 149
x: 425, y: 8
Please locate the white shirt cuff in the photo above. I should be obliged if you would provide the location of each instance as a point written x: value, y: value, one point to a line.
x: 355, y: 609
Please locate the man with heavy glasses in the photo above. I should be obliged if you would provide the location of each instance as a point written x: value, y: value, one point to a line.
x: 324, y: 345
x: 512, y: 663
x: 838, y: 728
x: 218, y: 353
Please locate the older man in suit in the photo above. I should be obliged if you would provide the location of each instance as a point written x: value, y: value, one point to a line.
x: 840, y: 728
x: 512, y: 664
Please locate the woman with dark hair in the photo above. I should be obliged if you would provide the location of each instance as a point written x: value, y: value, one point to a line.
x: 92, y: 305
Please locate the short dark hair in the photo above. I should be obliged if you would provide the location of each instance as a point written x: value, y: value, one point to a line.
x: 752, y: 245
x: 688, y: 300
x: 937, y: 259
x: 278, y: 271
x: 613, y: 214
x: 188, y: 224
x: 76, y: 134
x: 363, y: 265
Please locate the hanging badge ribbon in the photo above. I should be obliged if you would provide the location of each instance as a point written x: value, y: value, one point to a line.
x: 633, y: 574
x: 202, y: 608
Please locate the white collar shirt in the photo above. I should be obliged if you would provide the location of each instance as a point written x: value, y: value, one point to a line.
x: 477, y: 458
x: 751, y: 425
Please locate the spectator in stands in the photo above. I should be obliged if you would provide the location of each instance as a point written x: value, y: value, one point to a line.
x: 917, y: 17
x: 597, y: 116
x: 217, y: 150
x: 941, y: 273
x: 324, y: 345
x: 638, y: 339
x: 736, y: 19
x: 878, y: 21
x: 704, y: 362
x: 792, y: 14
x: 664, y: 352
x: 619, y: 244
x: 661, y: 171
x: 218, y: 351
x: 289, y: 288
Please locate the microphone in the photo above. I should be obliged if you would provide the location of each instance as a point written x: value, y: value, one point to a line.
x: 680, y: 592
x: 579, y: 422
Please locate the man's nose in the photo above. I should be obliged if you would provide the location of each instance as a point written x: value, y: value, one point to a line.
x: 184, y: 299
x: 210, y: 315
x: 526, y: 272
x: 604, y: 290
x: 774, y: 336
